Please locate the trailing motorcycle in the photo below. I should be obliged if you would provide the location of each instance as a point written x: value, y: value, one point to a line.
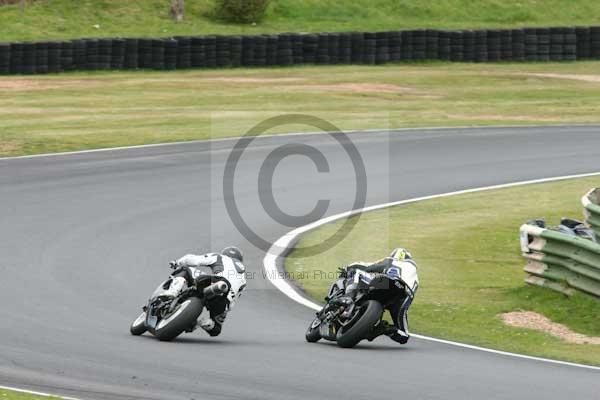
x: 176, y: 304
x: 349, y: 319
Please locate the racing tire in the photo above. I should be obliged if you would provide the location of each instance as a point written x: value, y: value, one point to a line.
x: 182, y: 319
x: 350, y: 336
x: 138, y: 327
x: 313, y: 334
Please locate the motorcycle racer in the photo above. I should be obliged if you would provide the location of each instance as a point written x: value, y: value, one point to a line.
x: 228, y: 264
x: 402, y: 260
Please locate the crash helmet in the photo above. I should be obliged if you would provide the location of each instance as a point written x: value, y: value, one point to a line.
x: 400, y: 254
x: 233, y: 252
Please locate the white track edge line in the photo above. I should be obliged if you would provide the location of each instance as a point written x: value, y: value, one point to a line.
x: 36, y: 393
x: 282, y: 245
x: 227, y: 139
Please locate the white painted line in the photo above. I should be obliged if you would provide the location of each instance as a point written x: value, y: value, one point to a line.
x: 36, y: 393
x: 282, y: 245
x: 384, y: 130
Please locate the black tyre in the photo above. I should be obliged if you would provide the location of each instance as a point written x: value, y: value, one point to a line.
x: 183, y: 318
x: 351, y: 334
x: 312, y: 333
x: 138, y: 327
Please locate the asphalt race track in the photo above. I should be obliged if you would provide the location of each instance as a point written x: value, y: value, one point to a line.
x: 85, y: 238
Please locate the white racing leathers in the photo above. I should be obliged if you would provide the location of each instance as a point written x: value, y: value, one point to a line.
x: 232, y: 270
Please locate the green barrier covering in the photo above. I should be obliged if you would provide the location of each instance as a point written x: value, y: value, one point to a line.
x: 560, y: 261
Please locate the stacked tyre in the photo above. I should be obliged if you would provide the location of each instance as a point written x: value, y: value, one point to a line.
x: 506, y: 45
x: 345, y: 48
x: 91, y: 54
x: 456, y: 46
x: 170, y: 54
x: 197, y: 52
x: 583, y: 44
x: 595, y: 42
x: 406, y: 45
x: 117, y: 54
x: 481, y: 47
x: 184, y: 52
x: 210, y: 51
x: 310, y: 45
x: 358, y: 43
x: 395, y: 45
x: 54, y: 56
x: 285, y: 55
x: 419, y: 47
x: 444, y: 45
x: 145, y: 53
x: 468, y: 46
x: 235, y: 50
x: 16, y: 58
x: 382, y: 49
x: 369, y: 54
x: 531, y: 44
x: 131, y: 59
x: 260, y: 50
x: 543, y: 44
x: 432, y: 42
x: 222, y: 52
x: 41, y: 58
x: 518, y: 44
x: 494, y: 45
x: 67, y: 62
x: 4, y: 58
x: 104, y: 54
x: 79, y: 54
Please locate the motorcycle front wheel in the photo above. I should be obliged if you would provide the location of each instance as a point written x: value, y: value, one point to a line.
x: 359, y: 326
x: 184, y: 317
x: 312, y: 333
x: 138, y: 327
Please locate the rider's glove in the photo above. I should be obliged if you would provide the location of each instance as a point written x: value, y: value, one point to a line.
x: 173, y: 264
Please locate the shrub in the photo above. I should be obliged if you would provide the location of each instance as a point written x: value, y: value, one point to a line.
x: 242, y: 11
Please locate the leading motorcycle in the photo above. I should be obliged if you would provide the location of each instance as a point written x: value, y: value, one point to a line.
x: 176, y: 304
x: 348, y: 320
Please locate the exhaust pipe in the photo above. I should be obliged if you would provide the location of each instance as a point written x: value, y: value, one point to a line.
x: 216, y: 289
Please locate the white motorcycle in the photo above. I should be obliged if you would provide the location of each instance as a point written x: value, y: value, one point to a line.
x: 177, y: 303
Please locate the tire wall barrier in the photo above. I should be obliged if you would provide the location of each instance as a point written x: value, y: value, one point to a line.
x: 564, y: 262
x: 591, y: 205
x: 184, y: 52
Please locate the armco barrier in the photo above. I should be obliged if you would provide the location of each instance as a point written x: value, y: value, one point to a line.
x: 561, y: 262
x: 182, y: 52
x: 591, y: 205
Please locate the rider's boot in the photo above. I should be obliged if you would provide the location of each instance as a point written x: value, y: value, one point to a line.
x: 398, y: 335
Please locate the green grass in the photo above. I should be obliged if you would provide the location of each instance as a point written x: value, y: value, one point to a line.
x: 68, y: 19
x: 470, y: 266
x: 91, y: 110
x: 10, y: 395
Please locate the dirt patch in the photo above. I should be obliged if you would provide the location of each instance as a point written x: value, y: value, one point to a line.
x: 9, y: 146
x: 576, y: 77
x: 42, y: 84
x: 361, y: 88
x: 239, y: 79
x: 494, y: 117
x: 535, y: 321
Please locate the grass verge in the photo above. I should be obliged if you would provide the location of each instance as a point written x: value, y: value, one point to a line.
x: 56, y: 19
x: 470, y: 266
x: 12, y: 395
x: 92, y: 110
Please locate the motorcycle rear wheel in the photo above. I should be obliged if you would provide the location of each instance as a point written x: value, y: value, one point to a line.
x: 350, y: 335
x: 183, y: 318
